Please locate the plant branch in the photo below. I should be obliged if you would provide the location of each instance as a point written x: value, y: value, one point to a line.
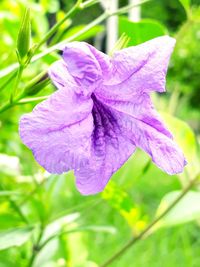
x: 98, y: 20
x: 34, y: 82
x: 9, y: 80
x: 18, y: 210
x: 89, y: 3
x: 134, y: 240
x: 126, y: 8
x: 17, y: 81
x: 36, y: 248
x: 72, y: 12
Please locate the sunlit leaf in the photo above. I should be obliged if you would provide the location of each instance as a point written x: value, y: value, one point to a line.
x: 120, y: 44
x: 141, y: 31
x: 14, y: 237
x: 185, y: 4
x: 58, y: 224
x: 186, y: 210
x: 9, y: 165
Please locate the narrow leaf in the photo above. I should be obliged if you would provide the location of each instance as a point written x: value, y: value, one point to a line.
x: 14, y: 237
x: 186, y: 210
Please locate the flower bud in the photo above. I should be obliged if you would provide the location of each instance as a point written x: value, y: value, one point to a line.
x: 24, y: 35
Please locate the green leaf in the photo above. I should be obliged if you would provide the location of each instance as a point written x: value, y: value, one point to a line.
x: 24, y: 35
x: 14, y: 237
x: 121, y: 43
x: 186, y: 210
x: 141, y: 31
x: 58, y: 224
x: 33, y: 99
x: 4, y: 72
x: 185, y: 4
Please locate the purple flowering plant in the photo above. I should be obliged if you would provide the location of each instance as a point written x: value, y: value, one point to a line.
x: 101, y: 112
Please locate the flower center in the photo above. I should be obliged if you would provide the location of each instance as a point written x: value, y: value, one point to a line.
x: 105, y: 126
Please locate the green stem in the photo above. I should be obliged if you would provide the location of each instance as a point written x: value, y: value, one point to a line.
x: 59, y: 234
x: 72, y: 12
x: 134, y: 240
x: 89, y: 3
x: 24, y: 93
x: 9, y: 80
x: 18, y: 210
x: 125, y: 9
x: 100, y: 19
x: 35, y: 248
x: 18, y: 78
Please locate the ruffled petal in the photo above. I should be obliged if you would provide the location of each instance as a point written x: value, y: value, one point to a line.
x: 86, y: 64
x: 58, y: 131
x: 139, y: 69
x: 163, y: 151
x: 110, y: 150
x: 61, y: 77
x: 142, y: 125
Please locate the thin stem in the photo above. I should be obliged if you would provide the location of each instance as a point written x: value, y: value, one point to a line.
x: 18, y: 78
x: 36, y: 248
x: 47, y: 51
x: 24, y: 93
x: 9, y: 80
x: 58, y: 46
x: 70, y: 231
x: 73, y: 11
x: 21, y: 68
x: 134, y: 240
x: 125, y: 9
x: 18, y: 210
x: 100, y: 19
x: 89, y: 3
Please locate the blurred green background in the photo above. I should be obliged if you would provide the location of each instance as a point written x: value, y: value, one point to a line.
x: 44, y: 221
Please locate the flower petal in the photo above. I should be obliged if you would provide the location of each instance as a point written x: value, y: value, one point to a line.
x: 60, y: 76
x: 85, y: 63
x: 110, y: 150
x: 163, y: 151
x: 139, y: 69
x: 93, y: 178
x: 58, y: 131
x: 144, y: 127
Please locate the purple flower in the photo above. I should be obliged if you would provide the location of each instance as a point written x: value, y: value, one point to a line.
x: 102, y: 112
